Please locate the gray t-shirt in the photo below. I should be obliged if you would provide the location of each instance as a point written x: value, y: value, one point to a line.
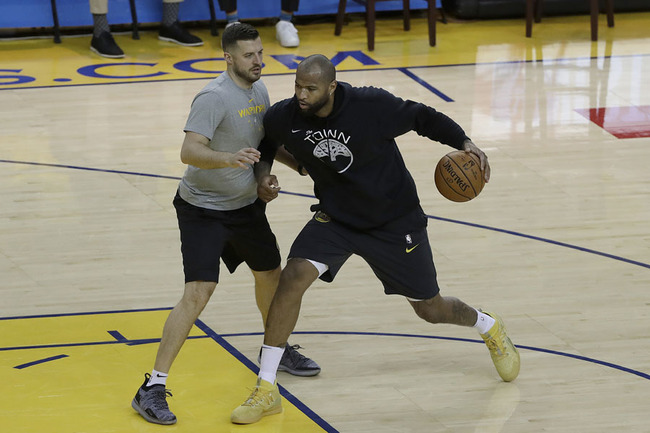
x: 231, y: 117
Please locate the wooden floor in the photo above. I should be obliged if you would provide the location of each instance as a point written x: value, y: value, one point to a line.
x: 558, y: 242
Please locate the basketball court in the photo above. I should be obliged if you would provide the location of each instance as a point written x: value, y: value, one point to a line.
x: 557, y: 242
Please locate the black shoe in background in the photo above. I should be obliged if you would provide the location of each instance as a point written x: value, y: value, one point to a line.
x: 105, y: 46
x: 177, y: 34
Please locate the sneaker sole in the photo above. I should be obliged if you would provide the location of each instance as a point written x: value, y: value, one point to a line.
x: 110, y: 56
x: 289, y: 45
x: 145, y: 415
x: 301, y: 373
x: 274, y: 411
x: 195, y: 44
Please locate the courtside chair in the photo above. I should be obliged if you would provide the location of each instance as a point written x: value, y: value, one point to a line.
x: 534, y: 8
x: 57, y: 30
x: 370, y: 19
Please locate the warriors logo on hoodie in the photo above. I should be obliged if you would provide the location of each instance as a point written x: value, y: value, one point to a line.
x: 330, y: 147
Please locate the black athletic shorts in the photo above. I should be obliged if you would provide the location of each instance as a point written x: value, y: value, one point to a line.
x: 399, y: 252
x: 235, y: 236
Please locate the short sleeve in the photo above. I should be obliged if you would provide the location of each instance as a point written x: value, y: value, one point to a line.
x: 206, y: 114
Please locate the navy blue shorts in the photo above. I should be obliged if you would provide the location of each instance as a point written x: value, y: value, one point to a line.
x: 399, y: 252
x: 235, y: 236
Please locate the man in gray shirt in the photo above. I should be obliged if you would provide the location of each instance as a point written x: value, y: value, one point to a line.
x: 219, y: 214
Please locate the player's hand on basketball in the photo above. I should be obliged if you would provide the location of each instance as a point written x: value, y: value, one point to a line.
x: 245, y: 158
x: 268, y: 188
x: 470, y: 147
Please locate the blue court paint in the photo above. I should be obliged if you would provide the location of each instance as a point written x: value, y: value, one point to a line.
x: 424, y: 84
x: 95, y: 343
x: 118, y: 337
x: 40, y: 361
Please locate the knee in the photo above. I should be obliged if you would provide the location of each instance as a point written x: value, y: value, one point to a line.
x: 198, y: 293
x: 427, y: 310
x: 297, y: 276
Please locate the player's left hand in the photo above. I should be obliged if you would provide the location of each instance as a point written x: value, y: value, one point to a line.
x: 470, y: 147
x: 268, y: 188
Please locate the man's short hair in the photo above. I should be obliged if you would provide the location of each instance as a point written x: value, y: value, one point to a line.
x: 318, y: 63
x: 237, y: 32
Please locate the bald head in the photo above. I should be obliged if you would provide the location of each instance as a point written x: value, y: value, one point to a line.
x: 315, y: 86
x: 319, y: 67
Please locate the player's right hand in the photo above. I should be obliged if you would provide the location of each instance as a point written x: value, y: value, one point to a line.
x: 268, y: 188
x: 245, y: 158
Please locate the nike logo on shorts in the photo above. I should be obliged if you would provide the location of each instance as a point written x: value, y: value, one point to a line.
x: 408, y: 250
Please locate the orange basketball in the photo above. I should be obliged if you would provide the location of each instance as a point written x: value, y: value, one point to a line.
x: 458, y: 176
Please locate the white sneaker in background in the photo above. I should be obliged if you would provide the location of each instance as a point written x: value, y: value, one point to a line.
x: 287, y: 34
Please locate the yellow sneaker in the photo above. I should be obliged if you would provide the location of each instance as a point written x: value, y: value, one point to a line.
x: 265, y: 400
x: 505, y: 355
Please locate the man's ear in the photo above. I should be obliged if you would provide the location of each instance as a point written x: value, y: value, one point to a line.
x: 228, y: 58
x: 333, y: 85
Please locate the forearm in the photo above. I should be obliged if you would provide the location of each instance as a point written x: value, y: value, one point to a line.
x: 206, y: 159
x: 196, y: 152
x: 286, y: 158
x: 262, y: 169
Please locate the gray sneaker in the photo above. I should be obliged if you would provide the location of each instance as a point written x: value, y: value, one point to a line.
x: 293, y: 362
x: 151, y: 403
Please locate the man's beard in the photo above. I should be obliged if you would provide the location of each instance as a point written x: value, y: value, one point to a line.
x: 314, y: 108
x: 246, y: 75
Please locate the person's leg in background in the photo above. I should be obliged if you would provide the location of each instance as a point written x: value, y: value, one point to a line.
x: 230, y: 8
x: 102, y: 42
x: 285, y: 32
x: 171, y: 29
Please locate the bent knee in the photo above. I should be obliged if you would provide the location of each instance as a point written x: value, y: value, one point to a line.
x: 299, y: 273
x: 198, y: 293
x: 427, y: 309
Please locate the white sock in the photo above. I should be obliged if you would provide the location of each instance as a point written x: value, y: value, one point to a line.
x: 483, y: 322
x: 271, y: 357
x: 157, y: 378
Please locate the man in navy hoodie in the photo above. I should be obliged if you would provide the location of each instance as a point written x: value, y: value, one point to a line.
x: 344, y: 138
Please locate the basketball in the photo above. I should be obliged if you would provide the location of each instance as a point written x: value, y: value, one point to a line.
x: 458, y: 176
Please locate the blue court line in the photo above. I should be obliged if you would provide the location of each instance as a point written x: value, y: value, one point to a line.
x: 120, y: 339
x: 495, y: 229
x: 40, y: 361
x: 255, y: 369
x: 424, y: 84
x: 465, y: 340
x: 92, y: 313
x: 76, y: 167
x: 93, y: 343
x: 118, y: 336
x: 219, y: 338
x: 549, y: 241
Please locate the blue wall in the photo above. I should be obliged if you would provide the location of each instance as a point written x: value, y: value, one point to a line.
x: 73, y: 13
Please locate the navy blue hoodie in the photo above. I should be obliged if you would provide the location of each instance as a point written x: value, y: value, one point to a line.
x: 359, y: 175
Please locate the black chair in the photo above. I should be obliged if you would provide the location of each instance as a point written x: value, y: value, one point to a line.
x: 370, y: 19
x: 534, y: 8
